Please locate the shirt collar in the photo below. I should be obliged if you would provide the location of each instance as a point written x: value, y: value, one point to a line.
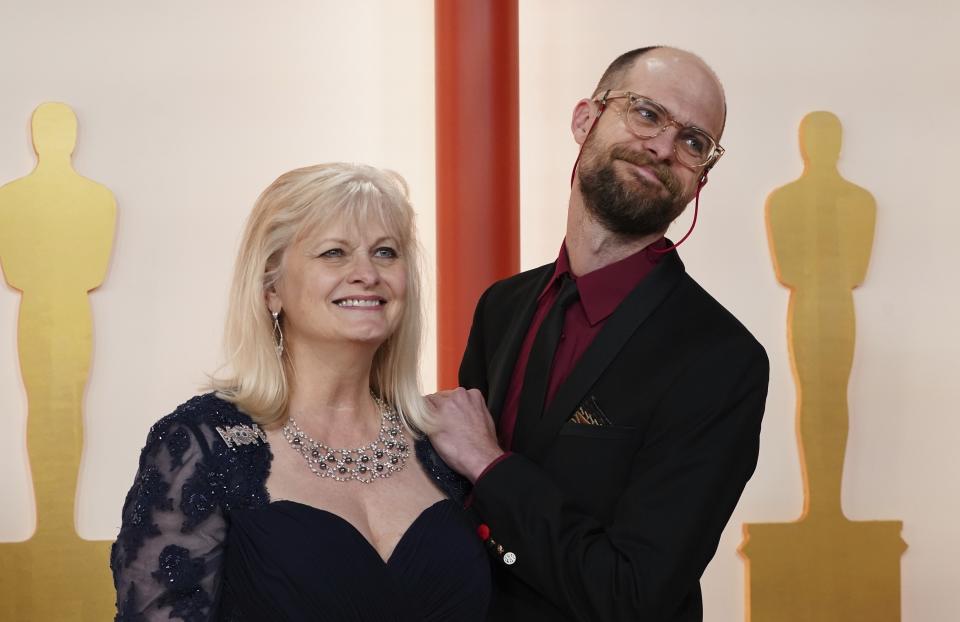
x: 602, y: 290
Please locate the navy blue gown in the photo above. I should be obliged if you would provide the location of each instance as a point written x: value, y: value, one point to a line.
x: 201, y: 540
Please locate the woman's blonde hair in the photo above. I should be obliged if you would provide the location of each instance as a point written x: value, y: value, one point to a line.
x: 297, y: 203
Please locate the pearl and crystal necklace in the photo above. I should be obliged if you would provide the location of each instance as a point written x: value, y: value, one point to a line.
x: 378, y: 460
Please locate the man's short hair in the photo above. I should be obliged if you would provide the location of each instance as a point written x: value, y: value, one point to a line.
x: 620, y: 65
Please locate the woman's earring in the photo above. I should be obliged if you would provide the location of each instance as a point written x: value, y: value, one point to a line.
x: 277, y: 333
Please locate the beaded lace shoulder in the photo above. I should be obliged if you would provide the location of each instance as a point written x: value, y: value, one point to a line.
x: 235, y: 473
x: 201, y: 414
x: 455, y: 486
x: 167, y: 556
x: 185, y: 447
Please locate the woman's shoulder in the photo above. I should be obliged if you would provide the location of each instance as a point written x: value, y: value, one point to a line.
x: 208, y: 410
x: 221, y: 444
x: 454, y: 485
x: 214, y: 430
x: 206, y: 416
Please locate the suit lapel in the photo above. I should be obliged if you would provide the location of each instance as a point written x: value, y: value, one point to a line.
x: 505, y: 358
x: 627, y: 318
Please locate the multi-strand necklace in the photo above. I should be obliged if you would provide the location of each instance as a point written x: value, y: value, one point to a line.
x: 377, y: 460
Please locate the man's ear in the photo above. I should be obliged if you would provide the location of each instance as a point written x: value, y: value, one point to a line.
x: 583, y: 115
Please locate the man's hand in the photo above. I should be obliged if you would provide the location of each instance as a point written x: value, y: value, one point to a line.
x: 465, y: 436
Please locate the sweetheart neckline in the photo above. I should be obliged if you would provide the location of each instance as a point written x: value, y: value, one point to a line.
x: 353, y: 528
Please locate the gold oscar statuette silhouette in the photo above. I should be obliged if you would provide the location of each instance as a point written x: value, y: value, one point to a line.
x: 56, y: 233
x: 823, y: 567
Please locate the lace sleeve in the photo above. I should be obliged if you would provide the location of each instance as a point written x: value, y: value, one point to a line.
x: 166, y: 560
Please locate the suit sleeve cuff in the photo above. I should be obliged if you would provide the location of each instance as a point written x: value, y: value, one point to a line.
x: 469, y: 500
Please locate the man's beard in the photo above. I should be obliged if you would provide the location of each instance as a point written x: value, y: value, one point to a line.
x: 630, y: 208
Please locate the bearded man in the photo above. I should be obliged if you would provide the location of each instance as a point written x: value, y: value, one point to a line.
x: 610, y: 408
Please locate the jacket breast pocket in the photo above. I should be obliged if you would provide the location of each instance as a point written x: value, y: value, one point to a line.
x: 592, y: 464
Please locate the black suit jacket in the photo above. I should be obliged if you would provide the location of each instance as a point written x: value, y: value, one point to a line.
x: 618, y: 522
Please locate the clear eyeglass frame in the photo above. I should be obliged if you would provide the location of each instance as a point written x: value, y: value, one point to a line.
x: 629, y: 115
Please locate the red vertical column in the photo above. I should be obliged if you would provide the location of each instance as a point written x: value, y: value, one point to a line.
x: 478, y: 162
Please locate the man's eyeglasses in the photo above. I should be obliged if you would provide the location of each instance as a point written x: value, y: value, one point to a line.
x: 646, y: 118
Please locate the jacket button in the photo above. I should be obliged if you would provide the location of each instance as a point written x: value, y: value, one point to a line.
x: 509, y: 558
x: 483, y: 531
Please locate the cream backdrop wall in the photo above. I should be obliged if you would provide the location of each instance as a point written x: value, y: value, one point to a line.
x: 187, y: 110
x: 889, y: 70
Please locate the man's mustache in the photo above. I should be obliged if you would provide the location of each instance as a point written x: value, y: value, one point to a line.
x: 640, y: 158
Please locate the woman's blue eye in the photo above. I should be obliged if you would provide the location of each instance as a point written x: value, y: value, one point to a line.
x: 386, y: 252
x: 333, y: 252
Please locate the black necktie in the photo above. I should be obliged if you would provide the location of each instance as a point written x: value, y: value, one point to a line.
x: 536, y: 378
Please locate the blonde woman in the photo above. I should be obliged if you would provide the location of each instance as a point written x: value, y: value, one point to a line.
x: 301, y: 488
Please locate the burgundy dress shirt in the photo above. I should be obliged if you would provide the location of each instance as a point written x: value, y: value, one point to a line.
x: 601, y: 292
